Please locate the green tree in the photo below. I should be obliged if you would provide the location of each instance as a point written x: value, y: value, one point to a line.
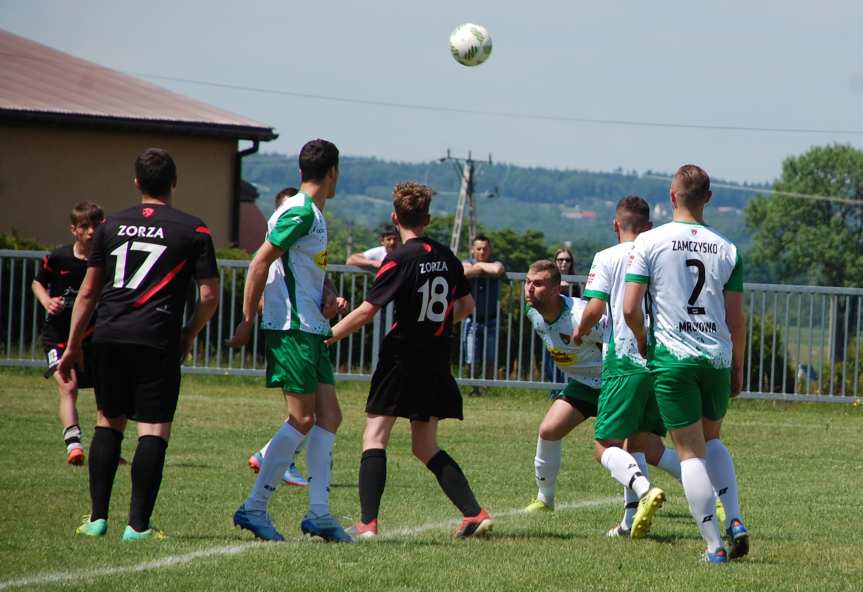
x: 517, y: 250
x: 819, y: 240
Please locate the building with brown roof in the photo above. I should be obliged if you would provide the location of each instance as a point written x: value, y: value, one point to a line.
x: 71, y: 130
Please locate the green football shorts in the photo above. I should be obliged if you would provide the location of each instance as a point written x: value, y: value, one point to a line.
x: 686, y: 394
x: 297, y: 361
x: 627, y: 406
x: 580, y: 396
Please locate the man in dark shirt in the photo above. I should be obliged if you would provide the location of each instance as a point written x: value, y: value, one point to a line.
x: 140, y: 267
x: 413, y: 377
x: 56, y: 286
x: 480, y: 329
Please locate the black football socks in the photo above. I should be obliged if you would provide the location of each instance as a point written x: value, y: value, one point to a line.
x: 454, y: 483
x: 104, y: 458
x: 373, y: 479
x: 146, y: 479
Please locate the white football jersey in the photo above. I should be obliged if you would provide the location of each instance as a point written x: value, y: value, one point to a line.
x: 293, y: 293
x: 579, y: 362
x: 688, y: 267
x: 606, y: 282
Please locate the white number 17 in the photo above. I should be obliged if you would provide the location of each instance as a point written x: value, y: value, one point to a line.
x: 153, y: 254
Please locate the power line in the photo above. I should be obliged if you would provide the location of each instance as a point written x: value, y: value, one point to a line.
x: 488, y: 113
x: 811, y: 196
x: 504, y: 114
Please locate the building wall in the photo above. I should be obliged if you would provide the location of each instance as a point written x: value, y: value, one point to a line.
x: 45, y: 171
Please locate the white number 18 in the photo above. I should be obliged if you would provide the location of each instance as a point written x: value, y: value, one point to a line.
x: 432, y: 297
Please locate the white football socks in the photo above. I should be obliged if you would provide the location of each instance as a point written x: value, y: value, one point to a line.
x: 670, y: 463
x: 298, y: 450
x: 702, y: 503
x: 720, y: 467
x: 319, y: 459
x: 547, y: 466
x: 280, y: 454
x: 625, y: 470
x: 630, y: 498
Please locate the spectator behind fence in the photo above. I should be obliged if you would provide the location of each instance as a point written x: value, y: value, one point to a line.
x: 480, y: 330
x: 371, y: 258
x: 565, y: 262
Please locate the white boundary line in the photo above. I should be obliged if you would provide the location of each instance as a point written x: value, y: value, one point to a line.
x: 59, y: 577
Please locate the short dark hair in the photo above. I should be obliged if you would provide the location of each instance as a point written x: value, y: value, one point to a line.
x: 481, y: 237
x: 388, y: 229
x: 87, y: 210
x: 633, y: 213
x: 317, y: 157
x: 156, y: 172
x: 284, y: 194
x: 411, y: 203
x: 691, y: 185
x: 548, y: 266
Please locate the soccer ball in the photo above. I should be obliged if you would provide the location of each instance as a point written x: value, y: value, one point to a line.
x: 470, y: 44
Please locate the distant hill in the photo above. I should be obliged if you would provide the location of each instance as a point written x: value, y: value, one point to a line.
x: 565, y: 205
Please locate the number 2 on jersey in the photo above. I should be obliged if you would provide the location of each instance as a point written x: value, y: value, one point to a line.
x: 433, y: 295
x: 153, y: 254
x: 699, y: 285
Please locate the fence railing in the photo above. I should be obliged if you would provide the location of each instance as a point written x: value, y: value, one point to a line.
x: 803, y: 342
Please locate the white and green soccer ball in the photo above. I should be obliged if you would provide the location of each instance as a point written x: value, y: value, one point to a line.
x: 470, y: 44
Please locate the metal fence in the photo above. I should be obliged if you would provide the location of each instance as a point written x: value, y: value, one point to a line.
x: 803, y: 342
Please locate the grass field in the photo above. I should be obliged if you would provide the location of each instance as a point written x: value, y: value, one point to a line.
x: 799, y: 467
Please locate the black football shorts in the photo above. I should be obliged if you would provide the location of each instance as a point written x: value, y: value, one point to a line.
x: 53, y: 353
x: 140, y: 382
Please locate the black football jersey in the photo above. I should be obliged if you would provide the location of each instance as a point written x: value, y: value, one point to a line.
x: 150, y: 253
x: 424, y: 279
x: 61, y: 273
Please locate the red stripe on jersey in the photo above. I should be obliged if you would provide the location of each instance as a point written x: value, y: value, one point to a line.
x: 396, y: 324
x: 45, y: 265
x: 202, y: 230
x: 427, y: 248
x: 162, y: 283
x: 446, y: 314
x: 385, y: 268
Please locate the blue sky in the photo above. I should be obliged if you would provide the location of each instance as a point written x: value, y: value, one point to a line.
x: 770, y: 63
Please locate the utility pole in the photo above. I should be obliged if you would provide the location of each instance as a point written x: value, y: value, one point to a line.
x: 466, y: 198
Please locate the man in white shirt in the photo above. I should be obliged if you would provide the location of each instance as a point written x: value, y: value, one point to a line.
x: 371, y: 258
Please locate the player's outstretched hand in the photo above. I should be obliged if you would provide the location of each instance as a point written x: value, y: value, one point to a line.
x: 242, y: 335
x: 342, y: 305
x: 576, y: 338
x: 66, y: 368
